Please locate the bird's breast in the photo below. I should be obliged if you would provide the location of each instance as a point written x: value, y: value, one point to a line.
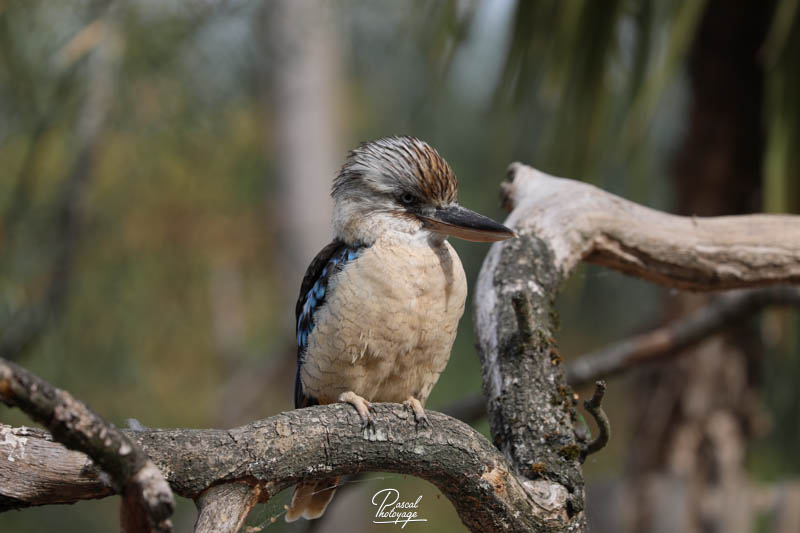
x: 388, y: 325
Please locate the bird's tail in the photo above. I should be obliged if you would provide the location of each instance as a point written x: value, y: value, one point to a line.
x: 311, y: 498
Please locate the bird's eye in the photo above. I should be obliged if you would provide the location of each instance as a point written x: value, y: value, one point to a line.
x: 408, y: 199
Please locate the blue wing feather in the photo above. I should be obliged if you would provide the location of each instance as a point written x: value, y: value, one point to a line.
x: 313, y: 292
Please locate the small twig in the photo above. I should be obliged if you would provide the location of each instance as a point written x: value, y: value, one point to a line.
x: 147, y: 496
x: 594, y: 408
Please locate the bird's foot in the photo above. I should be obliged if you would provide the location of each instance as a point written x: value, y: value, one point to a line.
x: 419, y: 412
x: 362, y: 406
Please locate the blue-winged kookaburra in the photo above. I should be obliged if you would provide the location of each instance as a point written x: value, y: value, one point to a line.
x: 380, y: 305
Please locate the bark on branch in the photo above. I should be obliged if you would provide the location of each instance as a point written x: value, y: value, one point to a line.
x: 561, y: 222
x: 224, y: 508
x: 147, y: 503
x: 277, y: 452
x: 580, y: 221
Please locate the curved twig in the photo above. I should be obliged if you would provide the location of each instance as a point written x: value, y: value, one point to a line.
x: 595, y: 408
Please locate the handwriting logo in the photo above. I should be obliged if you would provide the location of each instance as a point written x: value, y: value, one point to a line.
x: 393, y: 510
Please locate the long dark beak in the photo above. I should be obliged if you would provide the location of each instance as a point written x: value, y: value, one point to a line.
x: 465, y: 224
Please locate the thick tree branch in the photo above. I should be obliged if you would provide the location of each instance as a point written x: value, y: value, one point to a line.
x: 531, y: 408
x: 277, y: 452
x: 560, y: 222
x: 580, y: 221
x: 145, y: 492
x: 724, y: 311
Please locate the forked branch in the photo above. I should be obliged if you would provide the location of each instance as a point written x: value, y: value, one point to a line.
x: 147, y: 501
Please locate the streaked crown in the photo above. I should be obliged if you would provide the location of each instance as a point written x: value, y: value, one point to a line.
x: 399, y: 164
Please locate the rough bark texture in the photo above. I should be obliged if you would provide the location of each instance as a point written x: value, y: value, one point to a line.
x: 147, y: 501
x: 317, y: 442
x: 530, y: 405
x: 224, y: 508
x: 561, y: 222
x: 727, y: 311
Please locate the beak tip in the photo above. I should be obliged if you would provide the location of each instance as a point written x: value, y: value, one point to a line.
x: 510, y: 233
x: 462, y: 223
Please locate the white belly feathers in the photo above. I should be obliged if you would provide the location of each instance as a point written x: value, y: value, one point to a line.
x: 388, y: 324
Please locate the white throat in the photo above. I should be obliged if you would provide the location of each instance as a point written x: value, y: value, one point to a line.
x: 353, y: 228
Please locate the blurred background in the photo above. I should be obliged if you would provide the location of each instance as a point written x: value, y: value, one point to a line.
x: 165, y: 169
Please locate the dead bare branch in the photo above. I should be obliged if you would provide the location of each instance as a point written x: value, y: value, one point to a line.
x: 580, y: 221
x: 561, y: 222
x: 146, y: 493
x: 533, y: 483
x: 724, y: 311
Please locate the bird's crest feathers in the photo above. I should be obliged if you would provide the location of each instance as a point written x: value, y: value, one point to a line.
x: 403, y: 161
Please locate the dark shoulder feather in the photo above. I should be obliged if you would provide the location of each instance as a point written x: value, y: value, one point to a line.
x: 314, y: 271
x: 313, y: 293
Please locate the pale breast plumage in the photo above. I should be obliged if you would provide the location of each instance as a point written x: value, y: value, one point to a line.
x: 388, y: 323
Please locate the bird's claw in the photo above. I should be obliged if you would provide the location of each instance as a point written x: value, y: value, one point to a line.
x: 362, y: 406
x: 367, y: 423
x: 420, y: 417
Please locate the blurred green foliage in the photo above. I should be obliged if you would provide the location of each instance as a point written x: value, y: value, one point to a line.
x: 184, y: 177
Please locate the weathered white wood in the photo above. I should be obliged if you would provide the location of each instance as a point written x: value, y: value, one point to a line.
x: 580, y: 221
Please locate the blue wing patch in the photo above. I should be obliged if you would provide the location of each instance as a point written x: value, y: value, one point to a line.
x: 313, y: 292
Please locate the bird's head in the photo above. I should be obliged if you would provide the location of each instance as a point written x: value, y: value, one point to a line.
x: 402, y: 184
